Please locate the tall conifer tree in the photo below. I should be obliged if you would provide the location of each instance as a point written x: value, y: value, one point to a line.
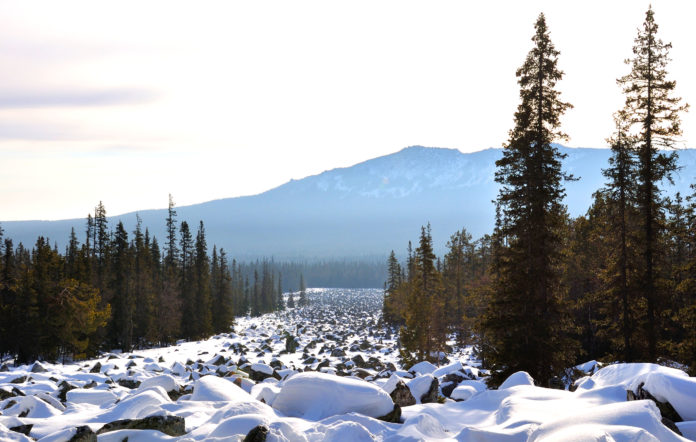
x: 525, y: 321
x: 621, y: 199
x: 653, y: 109
x: 201, y: 269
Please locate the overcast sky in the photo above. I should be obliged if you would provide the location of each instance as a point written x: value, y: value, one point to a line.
x: 126, y: 102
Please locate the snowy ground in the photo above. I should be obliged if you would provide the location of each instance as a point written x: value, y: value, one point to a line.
x: 327, y: 372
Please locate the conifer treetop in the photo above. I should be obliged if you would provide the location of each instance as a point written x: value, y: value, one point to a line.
x: 649, y: 100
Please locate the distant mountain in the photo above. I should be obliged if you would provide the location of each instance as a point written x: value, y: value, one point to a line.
x: 364, y: 210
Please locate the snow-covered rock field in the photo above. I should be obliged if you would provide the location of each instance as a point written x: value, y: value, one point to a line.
x: 328, y: 372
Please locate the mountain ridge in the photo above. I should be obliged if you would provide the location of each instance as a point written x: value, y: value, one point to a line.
x: 366, y: 209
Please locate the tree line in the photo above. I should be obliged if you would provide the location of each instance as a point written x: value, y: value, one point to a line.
x: 365, y: 272
x: 121, y: 291
x: 546, y: 291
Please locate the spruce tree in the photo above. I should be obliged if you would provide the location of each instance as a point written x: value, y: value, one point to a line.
x: 392, y: 305
x: 171, y: 302
x: 186, y: 289
x: 280, y: 303
x: 121, y: 291
x: 620, y: 217
x: 256, y: 295
x: 223, y: 313
x: 424, y: 334
x: 172, y: 251
x: 457, y: 269
x: 526, y: 320
x: 201, y: 273
x: 654, y: 111
x: 291, y: 300
x: 8, y: 298
x: 101, y: 243
x: 303, y: 301
x: 144, y: 288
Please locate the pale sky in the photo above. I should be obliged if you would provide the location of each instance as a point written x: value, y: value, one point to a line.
x: 126, y: 102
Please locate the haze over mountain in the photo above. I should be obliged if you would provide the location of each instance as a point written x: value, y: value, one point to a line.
x: 361, y: 211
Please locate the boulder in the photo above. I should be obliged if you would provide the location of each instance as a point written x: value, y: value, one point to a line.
x: 666, y: 409
x: 401, y: 395
x: 220, y: 360
x: 447, y: 388
x: 169, y: 425
x: 431, y: 395
x: 258, y: 372
x: 257, y: 434
x: 316, y: 396
x: 394, y: 416
x: 515, y: 379
x: 359, y: 361
x: 338, y: 352
x: 38, y: 368
x: 84, y: 434
x: 24, y: 429
x: 4, y: 394
x: 128, y: 383
x: 64, y: 388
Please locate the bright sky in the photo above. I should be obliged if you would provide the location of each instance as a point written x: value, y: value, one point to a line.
x: 128, y: 101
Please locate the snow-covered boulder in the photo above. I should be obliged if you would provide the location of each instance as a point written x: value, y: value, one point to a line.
x: 664, y: 383
x: 265, y: 392
x: 623, y: 421
x: 8, y: 435
x: 398, y: 391
x: 447, y: 369
x: 29, y: 406
x: 315, y: 396
x: 213, y: 388
x: 165, y: 381
x: 137, y: 405
x: 423, y: 388
x: 679, y: 390
x: 423, y: 367
x: 467, y: 389
x: 515, y: 379
x: 90, y: 396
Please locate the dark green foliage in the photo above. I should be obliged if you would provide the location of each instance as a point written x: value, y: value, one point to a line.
x: 303, y: 301
x: 392, y: 311
x: 222, y: 292
x: 186, y: 282
x: 201, y: 275
x: 121, y: 291
x: 654, y: 111
x: 424, y: 334
x: 115, y: 292
x: 526, y: 321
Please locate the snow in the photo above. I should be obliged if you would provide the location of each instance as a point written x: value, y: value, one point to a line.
x: 7, y: 435
x: 315, y: 406
x: 167, y: 382
x: 420, y: 386
x: 423, y: 367
x: 515, y: 379
x: 262, y: 368
x: 675, y: 388
x: 315, y: 396
x: 626, y: 421
x: 467, y: 389
x: 91, y: 396
x: 447, y: 369
x: 211, y: 388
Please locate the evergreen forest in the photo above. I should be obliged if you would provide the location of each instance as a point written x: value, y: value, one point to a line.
x: 546, y: 291
x: 116, y: 290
